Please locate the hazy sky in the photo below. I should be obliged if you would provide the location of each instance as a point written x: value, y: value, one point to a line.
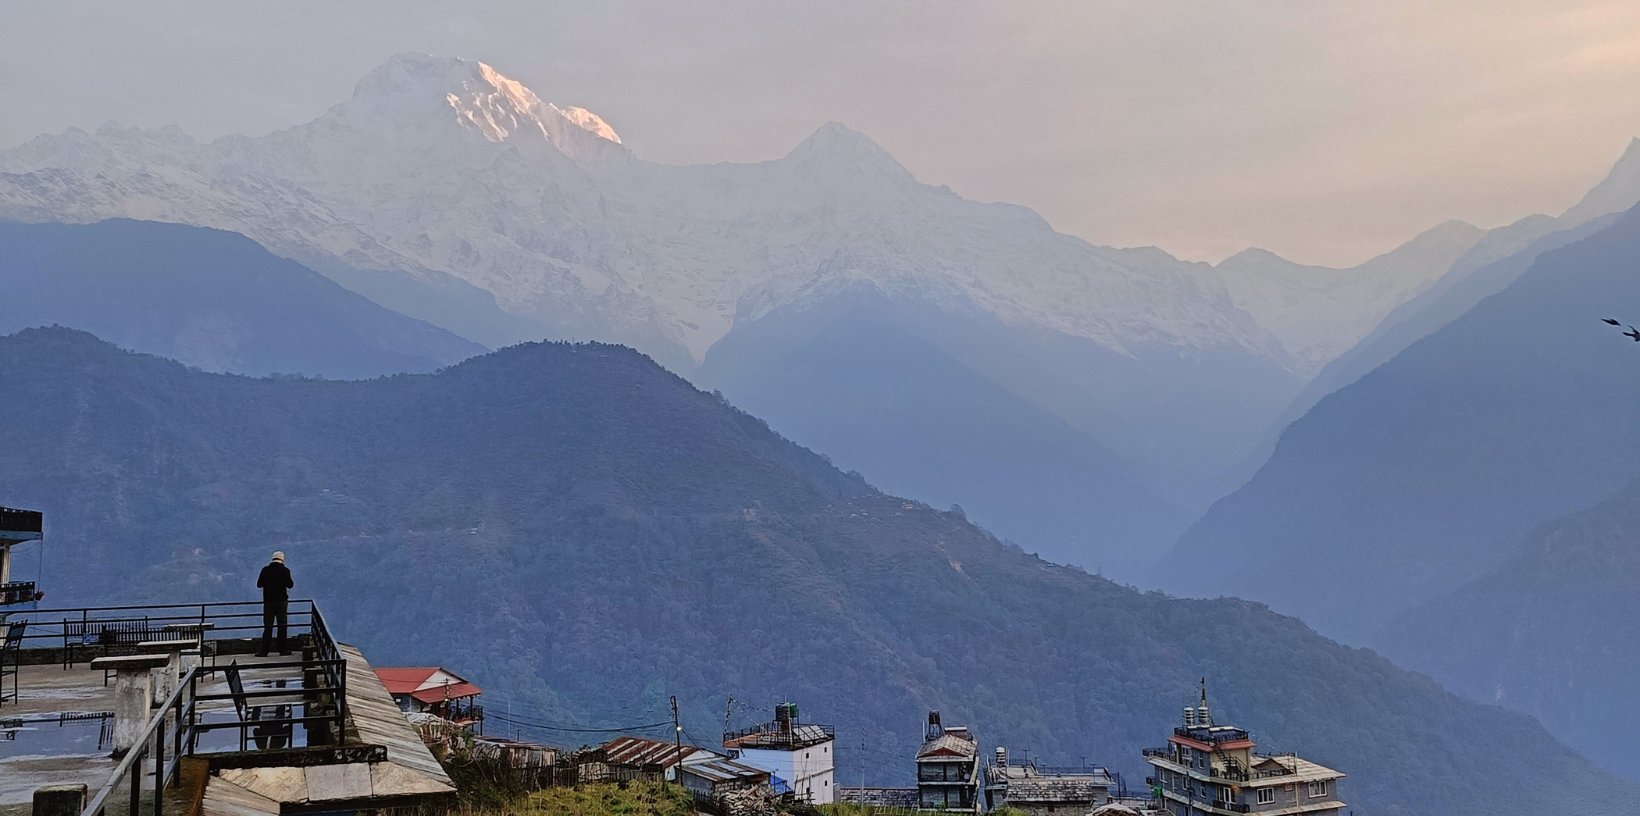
x: 1325, y: 130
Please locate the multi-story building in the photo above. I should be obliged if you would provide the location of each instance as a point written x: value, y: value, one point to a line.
x: 948, y: 776
x: 798, y: 754
x: 1208, y: 769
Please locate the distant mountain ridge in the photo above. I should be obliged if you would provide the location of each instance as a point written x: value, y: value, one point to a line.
x: 451, y: 193
x: 1319, y: 313
x: 591, y: 238
x: 1494, y: 262
x: 1423, y: 475
x: 211, y: 299
x: 585, y: 534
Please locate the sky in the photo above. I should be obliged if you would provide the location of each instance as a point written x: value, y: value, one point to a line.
x: 1325, y: 131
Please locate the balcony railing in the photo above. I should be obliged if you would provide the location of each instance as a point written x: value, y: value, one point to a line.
x: 1201, y: 734
x: 774, y: 735
x: 17, y: 592
x: 177, y: 726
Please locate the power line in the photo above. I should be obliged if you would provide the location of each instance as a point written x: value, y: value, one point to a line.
x: 549, y: 727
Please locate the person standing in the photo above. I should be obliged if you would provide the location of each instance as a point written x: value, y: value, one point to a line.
x: 276, y: 584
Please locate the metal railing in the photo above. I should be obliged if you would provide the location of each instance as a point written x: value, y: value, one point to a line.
x: 1203, y: 734
x: 17, y: 592
x: 772, y: 734
x: 151, y: 743
x: 175, y: 730
x: 106, y: 626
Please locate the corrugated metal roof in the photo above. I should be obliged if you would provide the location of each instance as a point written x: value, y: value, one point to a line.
x: 640, y: 751
x: 948, y: 744
x: 724, y: 770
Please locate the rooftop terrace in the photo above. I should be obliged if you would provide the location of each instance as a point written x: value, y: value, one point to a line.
x: 212, y: 724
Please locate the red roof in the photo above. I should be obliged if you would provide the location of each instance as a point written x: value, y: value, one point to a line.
x: 429, y: 684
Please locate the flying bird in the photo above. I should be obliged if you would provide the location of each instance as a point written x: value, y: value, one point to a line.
x: 1610, y: 322
x: 1633, y: 333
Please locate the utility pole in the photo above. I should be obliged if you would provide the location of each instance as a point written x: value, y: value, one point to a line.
x: 677, y: 733
x: 862, y: 774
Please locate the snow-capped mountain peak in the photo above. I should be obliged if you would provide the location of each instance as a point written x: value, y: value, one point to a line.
x: 416, y: 91
x: 443, y: 165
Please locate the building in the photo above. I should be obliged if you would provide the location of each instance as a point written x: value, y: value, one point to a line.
x: 17, y: 527
x: 713, y: 778
x: 638, y: 752
x: 1215, y: 769
x: 948, y: 776
x: 1040, y: 791
x: 801, y: 755
x: 435, y: 691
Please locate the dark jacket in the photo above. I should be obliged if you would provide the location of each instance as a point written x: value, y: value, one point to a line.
x: 274, y: 580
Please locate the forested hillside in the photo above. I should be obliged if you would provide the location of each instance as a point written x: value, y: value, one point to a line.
x: 1549, y: 633
x: 583, y: 533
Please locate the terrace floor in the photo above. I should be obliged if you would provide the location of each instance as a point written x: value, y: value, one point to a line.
x: 60, y: 728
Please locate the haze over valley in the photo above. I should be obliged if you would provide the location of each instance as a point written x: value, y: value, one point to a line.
x: 605, y: 430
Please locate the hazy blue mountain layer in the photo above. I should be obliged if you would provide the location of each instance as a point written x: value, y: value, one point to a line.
x: 1423, y: 474
x: 583, y: 533
x: 1486, y: 269
x: 856, y: 381
x: 211, y: 299
x: 1549, y: 633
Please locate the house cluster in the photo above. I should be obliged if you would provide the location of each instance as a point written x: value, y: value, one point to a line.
x: 182, y: 689
x: 1205, y: 770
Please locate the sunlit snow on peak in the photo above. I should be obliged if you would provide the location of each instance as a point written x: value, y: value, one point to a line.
x: 499, y: 107
x: 591, y: 122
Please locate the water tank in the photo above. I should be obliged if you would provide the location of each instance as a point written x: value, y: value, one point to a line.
x: 1189, y: 716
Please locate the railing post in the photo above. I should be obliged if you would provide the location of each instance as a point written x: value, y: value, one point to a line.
x: 159, y: 767
x: 134, y: 807
x: 341, y: 703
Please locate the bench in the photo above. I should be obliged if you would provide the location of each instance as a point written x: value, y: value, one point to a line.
x: 86, y: 634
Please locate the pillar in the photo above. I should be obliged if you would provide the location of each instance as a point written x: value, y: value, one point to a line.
x: 133, y: 696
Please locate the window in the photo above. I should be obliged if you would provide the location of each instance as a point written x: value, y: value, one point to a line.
x: 1266, y: 796
x: 1318, y: 789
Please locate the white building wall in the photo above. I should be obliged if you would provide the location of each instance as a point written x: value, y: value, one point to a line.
x: 810, y: 771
